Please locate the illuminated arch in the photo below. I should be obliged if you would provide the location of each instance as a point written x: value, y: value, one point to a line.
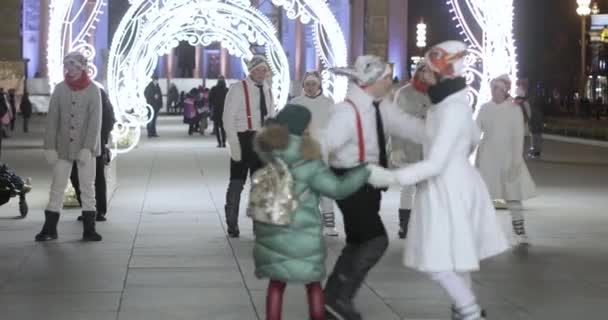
x: 152, y: 28
x: 492, y: 54
x: 328, y: 39
x: 63, y: 39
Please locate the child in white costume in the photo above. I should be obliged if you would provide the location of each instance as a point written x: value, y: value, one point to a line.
x: 319, y: 105
x: 454, y: 224
x: 500, y: 156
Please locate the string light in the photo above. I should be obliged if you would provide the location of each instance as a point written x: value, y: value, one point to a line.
x: 151, y: 28
x: 494, y: 52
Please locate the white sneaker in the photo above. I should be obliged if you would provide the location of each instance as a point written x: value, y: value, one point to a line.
x: 331, y: 232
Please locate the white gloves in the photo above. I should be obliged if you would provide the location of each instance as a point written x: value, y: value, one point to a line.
x: 51, y: 156
x: 85, y: 155
x: 235, y: 149
x: 380, y: 177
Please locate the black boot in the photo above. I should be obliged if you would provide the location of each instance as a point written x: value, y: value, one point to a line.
x: 100, y: 217
x: 49, y: 230
x: 88, y: 223
x: 23, y: 208
x: 404, y: 221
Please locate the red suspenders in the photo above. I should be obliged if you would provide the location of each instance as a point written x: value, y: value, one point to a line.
x: 247, y: 105
x: 359, y: 131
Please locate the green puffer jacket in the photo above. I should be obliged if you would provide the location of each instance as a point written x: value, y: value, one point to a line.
x: 296, y: 253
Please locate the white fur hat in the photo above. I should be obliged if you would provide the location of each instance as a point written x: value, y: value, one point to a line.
x: 502, y: 81
x: 77, y: 59
x: 367, y: 70
x: 447, y: 58
x: 256, y: 61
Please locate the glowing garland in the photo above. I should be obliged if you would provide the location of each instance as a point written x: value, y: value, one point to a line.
x: 139, y: 40
x: 328, y: 37
x: 494, y: 53
x: 62, y: 17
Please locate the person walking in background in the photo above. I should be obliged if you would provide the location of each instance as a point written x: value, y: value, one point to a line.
x: 500, y: 156
x: 12, y: 103
x: 413, y: 100
x: 154, y: 98
x: 26, y: 110
x: 313, y: 99
x: 217, y: 98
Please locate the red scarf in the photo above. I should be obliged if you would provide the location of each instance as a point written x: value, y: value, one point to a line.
x: 420, y: 86
x: 78, y: 84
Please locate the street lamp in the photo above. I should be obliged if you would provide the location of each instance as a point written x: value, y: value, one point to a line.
x: 421, y: 34
x: 584, y: 11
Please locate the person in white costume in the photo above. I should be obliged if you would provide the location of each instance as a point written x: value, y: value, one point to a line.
x: 413, y: 100
x: 500, y: 156
x: 319, y: 105
x: 247, y: 106
x: 356, y: 135
x: 454, y: 224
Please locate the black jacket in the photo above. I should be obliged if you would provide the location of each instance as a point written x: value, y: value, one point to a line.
x: 151, y: 91
x: 26, y: 107
x: 107, y: 117
x: 217, y: 97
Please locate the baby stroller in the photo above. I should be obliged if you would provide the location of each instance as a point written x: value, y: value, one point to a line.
x: 11, y: 186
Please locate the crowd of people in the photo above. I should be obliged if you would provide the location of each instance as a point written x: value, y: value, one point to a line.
x: 332, y: 154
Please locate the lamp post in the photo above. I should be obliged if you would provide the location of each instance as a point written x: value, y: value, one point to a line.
x: 421, y: 35
x: 583, y: 10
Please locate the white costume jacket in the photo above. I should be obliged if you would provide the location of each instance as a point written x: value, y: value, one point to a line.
x: 235, y: 108
x: 341, y: 140
x: 454, y: 224
x: 500, y: 156
x: 320, y: 108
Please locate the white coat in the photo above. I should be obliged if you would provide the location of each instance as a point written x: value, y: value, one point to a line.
x: 320, y: 109
x: 500, y: 156
x: 454, y: 223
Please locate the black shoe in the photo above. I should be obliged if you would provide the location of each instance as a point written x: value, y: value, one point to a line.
x: 49, y: 229
x: 88, y: 224
x: 401, y: 233
x: 79, y: 218
x: 100, y: 217
x: 233, y: 231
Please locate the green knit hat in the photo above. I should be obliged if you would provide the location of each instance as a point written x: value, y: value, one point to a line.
x: 295, y: 117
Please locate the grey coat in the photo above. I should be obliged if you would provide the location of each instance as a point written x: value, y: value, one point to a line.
x: 74, y: 121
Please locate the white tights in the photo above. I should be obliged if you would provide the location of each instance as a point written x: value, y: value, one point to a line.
x: 457, y: 285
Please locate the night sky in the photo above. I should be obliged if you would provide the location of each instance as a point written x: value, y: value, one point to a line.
x: 547, y: 33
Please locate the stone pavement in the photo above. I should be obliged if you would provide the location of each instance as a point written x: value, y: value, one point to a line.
x: 165, y: 255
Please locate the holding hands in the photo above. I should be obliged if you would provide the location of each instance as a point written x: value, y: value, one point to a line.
x: 381, y: 177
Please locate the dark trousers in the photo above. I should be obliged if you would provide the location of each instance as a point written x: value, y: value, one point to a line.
x: 220, y: 133
x: 239, y: 170
x: 26, y: 122
x: 100, y: 185
x: 152, y: 124
x: 366, y: 242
